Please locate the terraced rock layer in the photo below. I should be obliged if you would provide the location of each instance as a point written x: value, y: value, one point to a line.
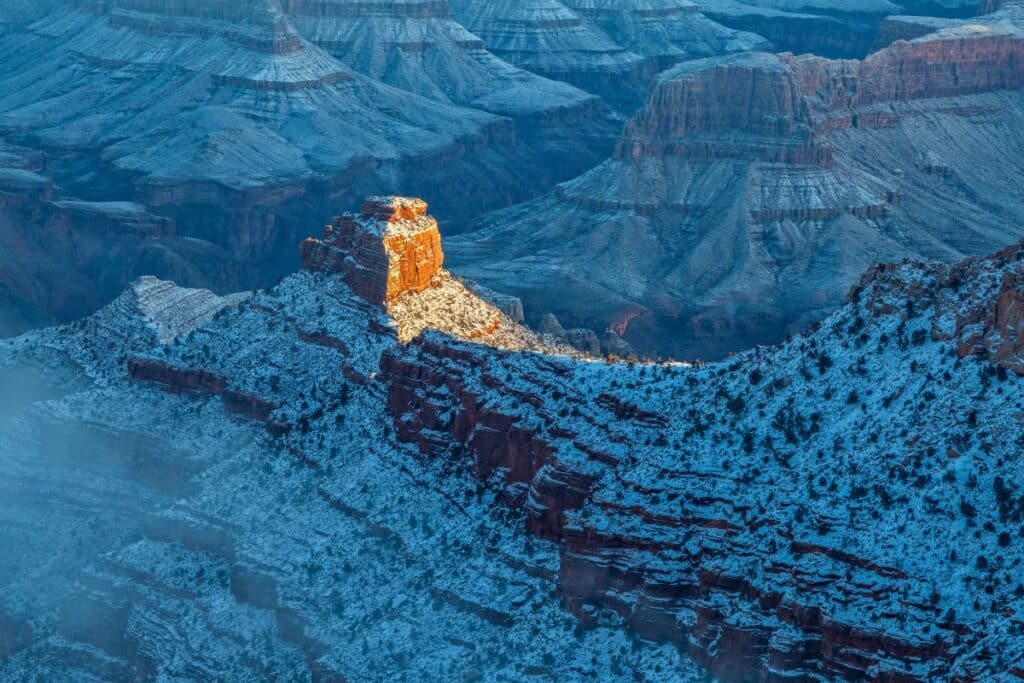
x: 694, y: 503
x: 610, y: 48
x: 419, y: 48
x: 208, y: 488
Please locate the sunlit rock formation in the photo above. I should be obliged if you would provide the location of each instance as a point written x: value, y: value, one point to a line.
x: 391, y: 247
x: 751, y: 191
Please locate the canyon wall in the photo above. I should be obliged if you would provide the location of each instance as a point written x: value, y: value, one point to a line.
x: 751, y: 191
x: 301, y: 481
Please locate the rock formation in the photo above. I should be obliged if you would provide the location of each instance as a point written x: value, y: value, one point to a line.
x: 63, y: 257
x: 391, y: 247
x: 288, y: 487
x: 909, y: 27
x: 693, y: 536
x: 418, y: 47
x: 389, y: 254
x: 750, y: 192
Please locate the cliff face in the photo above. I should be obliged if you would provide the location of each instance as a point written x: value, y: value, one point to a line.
x: 391, y: 247
x: 64, y: 257
x: 366, y: 486
x: 750, y: 192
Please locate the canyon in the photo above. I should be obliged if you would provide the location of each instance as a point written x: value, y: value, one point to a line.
x: 367, y: 467
x: 229, y: 130
x: 704, y: 362
x: 750, y: 191
x: 196, y: 143
x: 826, y: 27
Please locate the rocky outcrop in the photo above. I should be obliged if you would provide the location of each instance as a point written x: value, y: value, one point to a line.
x: 908, y: 28
x: 391, y: 247
x: 390, y: 255
x: 183, y: 379
x: 752, y: 190
x: 984, y: 319
x: 177, y: 378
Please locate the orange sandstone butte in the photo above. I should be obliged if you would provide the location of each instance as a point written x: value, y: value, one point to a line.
x: 392, y: 246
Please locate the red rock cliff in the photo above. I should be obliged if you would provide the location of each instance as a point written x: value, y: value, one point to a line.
x: 770, y: 107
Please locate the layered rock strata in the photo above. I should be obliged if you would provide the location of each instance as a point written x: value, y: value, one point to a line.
x: 418, y: 47
x: 692, y: 502
x: 610, y: 48
x: 231, y: 505
x: 63, y: 257
x: 751, y: 191
x: 391, y: 247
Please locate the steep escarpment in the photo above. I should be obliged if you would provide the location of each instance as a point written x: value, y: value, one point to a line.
x: 909, y: 27
x: 64, y: 257
x: 751, y: 191
x: 901, y: 27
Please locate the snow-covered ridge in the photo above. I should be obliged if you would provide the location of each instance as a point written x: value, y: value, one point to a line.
x: 843, y: 506
x: 176, y: 311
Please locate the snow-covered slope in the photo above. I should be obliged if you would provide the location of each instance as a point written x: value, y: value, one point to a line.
x: 258, y: 520
x: 612, y: 48
x: 287, y: 490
